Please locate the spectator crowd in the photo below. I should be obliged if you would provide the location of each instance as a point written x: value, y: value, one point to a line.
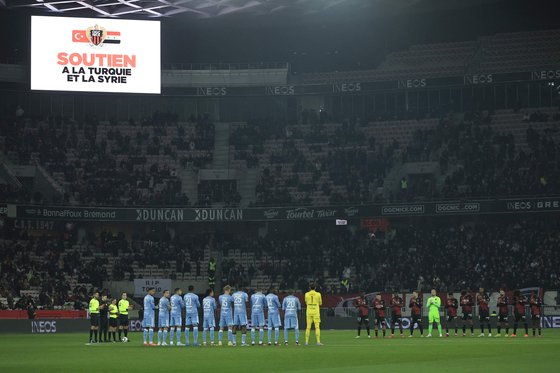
x: 449, y: 255
x: 132, y: 163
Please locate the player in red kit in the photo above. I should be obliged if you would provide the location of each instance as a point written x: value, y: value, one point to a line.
x: 451, y: 307
x: 536, y: 305
x: 503, y: 313
x: 379, y: 307
x: 483, y: 301
x: 519, y: 311
x: 397, y: 303
x: 362, y: 305
x: 467, y: 304
x: 415, y: 306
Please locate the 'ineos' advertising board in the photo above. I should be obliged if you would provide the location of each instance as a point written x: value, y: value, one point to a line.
x: 95, y: 55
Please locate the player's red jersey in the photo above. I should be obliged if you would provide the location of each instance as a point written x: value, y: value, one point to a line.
x: 397, y: 304
x: 362, y: 305
x: 519, y: 304
x: 415, y: 306
x: 452, y: 305
x: 503, y: 303
x: 466, y: 303
x: 482, y: 300
x: 536, y: 305
x: 379, y: 306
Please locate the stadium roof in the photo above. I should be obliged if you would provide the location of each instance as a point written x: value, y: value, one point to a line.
x: 196, y: 8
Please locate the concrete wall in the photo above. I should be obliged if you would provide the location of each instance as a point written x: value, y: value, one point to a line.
x: 224, y: 78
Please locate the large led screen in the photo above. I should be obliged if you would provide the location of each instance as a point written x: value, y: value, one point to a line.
x: 95, y: 55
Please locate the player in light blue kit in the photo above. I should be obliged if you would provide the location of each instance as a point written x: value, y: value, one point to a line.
x: 291, y: 305
x: 240, y: 299
x: 177, y: 306
x: 226, y: 320
x: 192, y: 304
x: 273, y: 305
x: 148, y: 322
x: 258, y: 303
x: 209, y: 319
x: 163, y: 319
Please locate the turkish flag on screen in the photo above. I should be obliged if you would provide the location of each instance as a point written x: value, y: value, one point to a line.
x: 79, y: 36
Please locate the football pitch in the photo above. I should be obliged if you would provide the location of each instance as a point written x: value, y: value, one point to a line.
x: 341, y: 353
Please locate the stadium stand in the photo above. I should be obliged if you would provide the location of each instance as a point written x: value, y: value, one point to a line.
x: 150, y: 159
x: 112, y: 163
x: 300, y: 164
x: 476, y: 252
x: 479, y: 153
x: 517, y: 51
x: 504, y: 52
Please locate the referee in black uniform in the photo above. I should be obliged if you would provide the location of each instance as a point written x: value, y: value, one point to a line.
x: 103, y: 320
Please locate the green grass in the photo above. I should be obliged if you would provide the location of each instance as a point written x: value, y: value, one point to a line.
x: 341, y: 353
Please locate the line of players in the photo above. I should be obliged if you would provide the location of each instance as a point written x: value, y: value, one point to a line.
x: 466, y: 302
x: 233, y: 316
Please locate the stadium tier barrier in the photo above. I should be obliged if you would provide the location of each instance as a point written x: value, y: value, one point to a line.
x: 43, y: 314
x: 57, y: 326
x: 47, y: 326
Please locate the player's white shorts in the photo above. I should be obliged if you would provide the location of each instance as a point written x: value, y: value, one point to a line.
x: 191, y: 319
x: 240, y: 319
x: 176, y: 320
x: 226, y: 321
x: 209, y: 322
x: 291, y: 322
x: 148, y: 322
x: 274, y: 321
x: 163, y: 322
x: 257, y: 320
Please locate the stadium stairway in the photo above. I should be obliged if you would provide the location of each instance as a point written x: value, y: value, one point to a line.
x: 189, y: 184
x: 452, y: 168
x: 7, y: 174
x: 45, y: 183
x: 391, y: 185
x: 220, y: 160
x: 218, y: 255
x: 246, y: 185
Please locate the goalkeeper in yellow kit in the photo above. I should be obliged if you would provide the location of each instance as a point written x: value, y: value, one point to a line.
x: 313, y: 301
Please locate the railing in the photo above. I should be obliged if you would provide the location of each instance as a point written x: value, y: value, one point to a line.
x: 190, y: 66
x: 55, y: 185
x: 294, y: 204
x: 225, y: 66
x: 43, y: 314
x: 9, y: 173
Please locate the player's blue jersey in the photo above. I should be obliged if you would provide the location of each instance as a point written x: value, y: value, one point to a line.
x: 192, y: 304
x: 240, y: 299
x: 149, y: 306
x: 273, y: 304
x: 176, y: 304
x: 226, y: 304
x: 209, y: 306
x: 163, y: 307
x: 258, y: 303
x: 291, y: 305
